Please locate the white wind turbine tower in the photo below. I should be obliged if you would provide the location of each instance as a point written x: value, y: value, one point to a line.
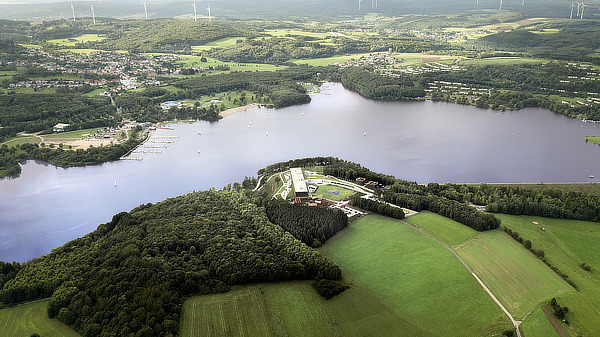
x: 572, y: 6
x: 209, y: 17
x: 583, y: 6
x: 73, y: 10
x: 578, y: 8
x: 146, y: 10
x: 359, y: 5
x: 93, y: 13
x: 500, y: 4
x: 523, y: 3
x: 195, y: 14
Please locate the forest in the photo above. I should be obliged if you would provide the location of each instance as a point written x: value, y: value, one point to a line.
x: 130, y: 276
x: 311, y: 225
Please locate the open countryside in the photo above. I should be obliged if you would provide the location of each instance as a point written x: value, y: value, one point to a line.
x: 191, y: 168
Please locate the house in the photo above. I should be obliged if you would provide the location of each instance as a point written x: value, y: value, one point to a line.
x: 300, y: 188
x: 60, y: 127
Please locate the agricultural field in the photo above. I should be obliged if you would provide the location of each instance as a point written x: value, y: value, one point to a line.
x: 502, y: 61
x: 567, y: 244
x: 290, y: 309
x: 31, y: 318
x: 537, y: 324
x: 221, y: 43
x: 446, y: 230
x: 416, y: 277
x: 284, y: 32
x: 71, y: 42
x: 196, y: 61
x: 516, y: 276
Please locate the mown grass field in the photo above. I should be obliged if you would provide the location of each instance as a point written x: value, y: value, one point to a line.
x: 196, y: 61
x: 284, y: 32
x: 537, y: 324
x: 21, y: 139
x: 343, y: 192
x: 595, y: 140
x: 70, y: 42
x: 446, y: 230
x: 415, y: 276
x: 290, y: 309
x: 502, y: 61
x: 516, y: 277
x: 32, y: 318
x: 568, y: 243
x: 221, y: 43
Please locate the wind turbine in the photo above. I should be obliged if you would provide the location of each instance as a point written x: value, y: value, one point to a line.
x: 359, y: 5
x: 523, y: 3
x: 73, y: 10
x: 93, y: 13
x: 209, y: 17
x: 146, y: 10
x: 500, y: 4
x: 583, y: 6
x: 578, y: 8
x: 195, y: 14
x: 572, y: 6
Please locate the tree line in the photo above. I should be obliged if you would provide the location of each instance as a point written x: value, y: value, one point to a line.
x: 311, y: 225
x: 130, y: 276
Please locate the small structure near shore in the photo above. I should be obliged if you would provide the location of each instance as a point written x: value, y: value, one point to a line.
x: 60, y: 127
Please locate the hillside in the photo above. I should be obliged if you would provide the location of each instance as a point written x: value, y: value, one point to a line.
x: 132, y: 274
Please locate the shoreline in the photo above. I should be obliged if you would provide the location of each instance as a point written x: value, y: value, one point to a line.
x: 232, y: 111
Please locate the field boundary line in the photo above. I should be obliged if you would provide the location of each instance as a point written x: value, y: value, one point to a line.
x: 485, y: 288
x: 559, y: 329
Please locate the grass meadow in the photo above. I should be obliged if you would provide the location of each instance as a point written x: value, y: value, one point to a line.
x: 71, y: 42
x: 221, y: 43
x: 27, y: 319
x: 415, y: 276
x: 537, y: 324
x: 446, y: 230
x: 568, y: 243
x: 516, y: 277
x: 196, y: 61
x: 290, y: 309
x: 324, y: 190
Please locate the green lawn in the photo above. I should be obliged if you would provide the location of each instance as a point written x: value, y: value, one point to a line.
x: 72, y: 134
x: 448, y: 231
x: 568, y: 243
x: 415, y: 276
x: 283, y: 32
x: 537, y: 324
x: 226, y: 98
x: 595, y: 140
x: 516, y: 277
x: 502, y: 61
x: 70, y: 42
x: 290, y: 309
x: 325, y: 61
x: 32, y: 318
x: 20, y: 139
x: 222, y: 43
x: 196, y: 61
x: 324, y: 189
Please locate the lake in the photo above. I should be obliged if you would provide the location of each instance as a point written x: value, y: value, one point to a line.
x: 422, y: 141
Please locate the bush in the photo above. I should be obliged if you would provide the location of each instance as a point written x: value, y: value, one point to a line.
x: 329, y: 288
x: 586, y: 266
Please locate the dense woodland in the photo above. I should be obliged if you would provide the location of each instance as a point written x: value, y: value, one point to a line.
x: 377, y: 207
x: 311, y: 225
x: 130, y: 276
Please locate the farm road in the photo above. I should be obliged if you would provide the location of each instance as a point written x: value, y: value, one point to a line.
x: 487, y: 290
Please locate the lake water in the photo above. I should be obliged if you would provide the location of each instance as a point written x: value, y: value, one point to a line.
x: 422, y: 141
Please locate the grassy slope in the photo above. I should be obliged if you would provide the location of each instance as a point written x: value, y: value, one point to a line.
x: 448, y: 231
x: 32, y: 318
x: 344, y: 193
x: 414, y: 276
x: 537, y: 324
x: 568, y: 243
x: 518, y: 279
x: 290, y: 309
